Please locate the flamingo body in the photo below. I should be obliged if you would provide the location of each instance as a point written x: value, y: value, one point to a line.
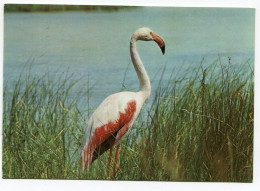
x: 116, y: 114
x: 110, y: 121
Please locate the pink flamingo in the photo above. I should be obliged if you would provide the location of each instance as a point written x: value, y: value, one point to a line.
x: 116, y: 114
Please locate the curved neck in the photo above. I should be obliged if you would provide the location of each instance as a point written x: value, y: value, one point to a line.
x: 145, y: 85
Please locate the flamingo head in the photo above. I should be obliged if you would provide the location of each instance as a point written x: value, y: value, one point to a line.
x: 147, y: 34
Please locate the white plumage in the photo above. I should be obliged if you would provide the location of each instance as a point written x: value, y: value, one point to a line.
x: 116, y: 114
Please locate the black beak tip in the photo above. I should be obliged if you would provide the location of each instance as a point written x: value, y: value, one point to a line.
x: 163, y: 49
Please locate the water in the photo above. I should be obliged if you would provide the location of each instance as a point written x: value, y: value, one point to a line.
x: 97, y: 43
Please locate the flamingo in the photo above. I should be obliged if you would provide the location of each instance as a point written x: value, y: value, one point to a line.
x: 117, y: 113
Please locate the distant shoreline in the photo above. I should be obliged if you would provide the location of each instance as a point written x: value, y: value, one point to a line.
x: 60, y: 8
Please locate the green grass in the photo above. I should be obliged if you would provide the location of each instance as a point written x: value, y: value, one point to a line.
x: 198, y: 128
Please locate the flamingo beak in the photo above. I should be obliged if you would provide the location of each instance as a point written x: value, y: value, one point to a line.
x: 159, y: 41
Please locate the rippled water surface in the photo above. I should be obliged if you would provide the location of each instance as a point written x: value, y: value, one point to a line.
x: 97, y: 43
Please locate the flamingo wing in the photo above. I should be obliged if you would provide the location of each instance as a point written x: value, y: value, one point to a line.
x: 108, y: 124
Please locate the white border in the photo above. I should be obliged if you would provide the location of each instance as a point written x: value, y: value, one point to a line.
x: 131, y: 185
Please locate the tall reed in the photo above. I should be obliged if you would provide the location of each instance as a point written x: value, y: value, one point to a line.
x: 41, y: 127
x: 198, y: 128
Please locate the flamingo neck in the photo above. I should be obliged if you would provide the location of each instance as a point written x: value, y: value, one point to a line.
x: 145, y: 85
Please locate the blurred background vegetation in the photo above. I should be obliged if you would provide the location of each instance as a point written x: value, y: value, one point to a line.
x: 54, y: 8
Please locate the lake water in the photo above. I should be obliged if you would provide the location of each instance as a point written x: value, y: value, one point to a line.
x: 97, y: 43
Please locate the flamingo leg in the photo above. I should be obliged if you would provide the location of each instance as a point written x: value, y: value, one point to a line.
x: 87, y: 155
x: 116, y: 159
x: 109, y: 161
